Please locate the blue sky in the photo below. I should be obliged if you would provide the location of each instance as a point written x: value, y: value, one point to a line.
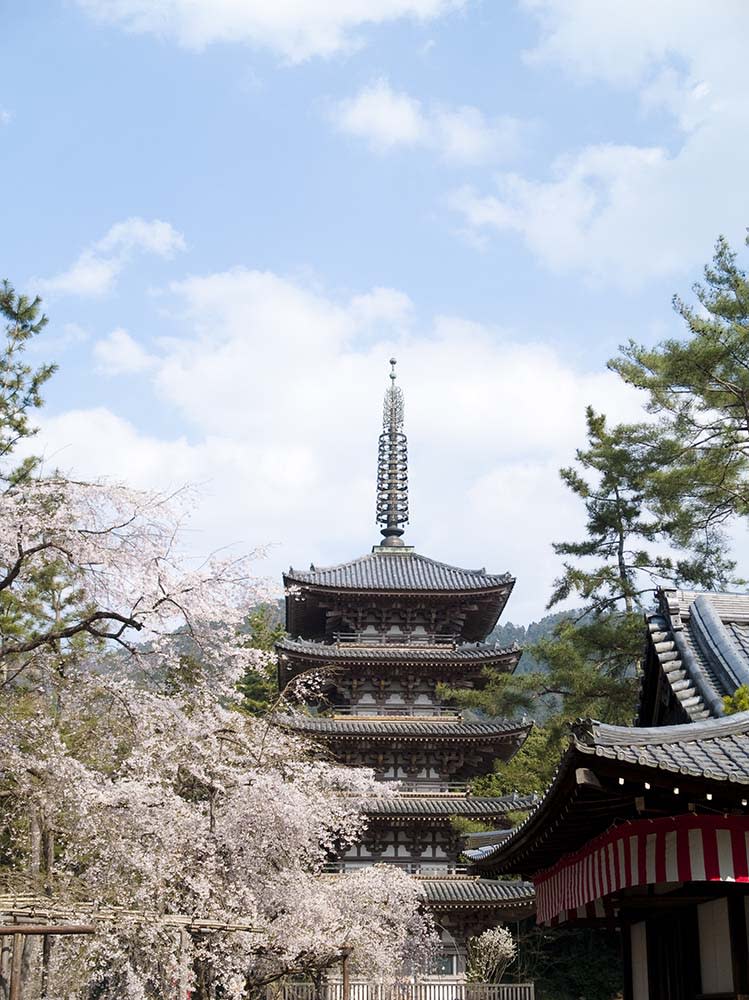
x: 237, y: 210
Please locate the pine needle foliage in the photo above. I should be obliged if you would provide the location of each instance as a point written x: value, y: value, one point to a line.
x: 20, y: 382
x: 698, y: 387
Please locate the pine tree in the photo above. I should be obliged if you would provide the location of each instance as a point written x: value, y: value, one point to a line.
x: 699, y: 389
x: 20, y: 383
x: 259, y: 686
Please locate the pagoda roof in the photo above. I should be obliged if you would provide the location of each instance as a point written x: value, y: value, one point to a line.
x: 489, y: 838
x: 471, y: 892
x: 699, y: 642
x: 417, y: 806
x: 399, y: 571
x: 413, y: 652
x: 411, y: 729
x: 614, y: 773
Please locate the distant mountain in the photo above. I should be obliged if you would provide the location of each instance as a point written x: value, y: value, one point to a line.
x: 526, y: 635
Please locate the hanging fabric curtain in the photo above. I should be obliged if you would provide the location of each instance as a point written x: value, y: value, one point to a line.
x: 685, y: 848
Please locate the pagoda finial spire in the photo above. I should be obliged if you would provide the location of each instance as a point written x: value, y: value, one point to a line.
x: 392, y: 466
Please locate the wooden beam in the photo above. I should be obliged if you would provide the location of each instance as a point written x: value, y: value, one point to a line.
x: 25, y: 929
x: 585, y: 777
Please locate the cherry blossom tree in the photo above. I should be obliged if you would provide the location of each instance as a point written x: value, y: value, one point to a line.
x: 489, y: 955
x: 163, y: 804
x: 113, y: 555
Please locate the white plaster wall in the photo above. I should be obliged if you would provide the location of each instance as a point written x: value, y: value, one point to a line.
x: 715, y: 947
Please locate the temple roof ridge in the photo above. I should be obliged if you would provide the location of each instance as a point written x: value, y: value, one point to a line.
x: 345, y: 574
x: 589, y: 734
x: 699, y: 640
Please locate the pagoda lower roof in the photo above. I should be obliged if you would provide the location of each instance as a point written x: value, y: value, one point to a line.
x: 470, y: 892
x: 461, y: 653
x: 472, y: 806
x: 399, y: 571
x: 408, y: 729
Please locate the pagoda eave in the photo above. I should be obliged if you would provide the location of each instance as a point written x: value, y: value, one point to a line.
x: 413, y: 730
x: 514, y: 899
x: 420, y: 808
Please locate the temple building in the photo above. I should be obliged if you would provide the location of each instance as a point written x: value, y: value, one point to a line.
x: 386, y: 630
x: 646, y: 828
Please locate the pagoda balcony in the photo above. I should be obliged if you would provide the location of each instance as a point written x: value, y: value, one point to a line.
x: 408, y: 639
x: 394, y: 712
x: 425, y: 869
x: 430, y: 787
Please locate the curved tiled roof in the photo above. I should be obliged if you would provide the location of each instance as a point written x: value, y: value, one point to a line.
x: 447, y: 805
x: 714, y: 749
x: 701, y: 642
x: 476, y: 891
x: 400, y: 571
x: 412, y: 728
x: 711, y: 750
x: 464, y: 652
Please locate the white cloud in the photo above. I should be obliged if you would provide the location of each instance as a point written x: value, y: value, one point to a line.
x: 296, y: 29
x: 279, y: 389
x: 382, y: 116
x: 583, y: 37
x: 6, y: 117
x: 388, y: 119
x: 119, y: 354
x: 98, y: 266
x: 629, y: 213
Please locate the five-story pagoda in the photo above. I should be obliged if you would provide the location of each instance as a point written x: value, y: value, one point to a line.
x: 386, y: 630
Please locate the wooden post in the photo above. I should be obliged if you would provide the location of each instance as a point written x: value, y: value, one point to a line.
x: 15, y: 968
x: 346, y: 985
x: 185, y: 953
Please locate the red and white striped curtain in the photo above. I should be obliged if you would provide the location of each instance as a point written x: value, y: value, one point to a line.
x: 685, y: 848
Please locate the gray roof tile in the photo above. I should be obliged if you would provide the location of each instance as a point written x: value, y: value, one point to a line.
x: 476, y: 891
x: 463, y: 653
x: 389, y: 728
x: 447, y: 805
x: 399, y: 571
x: 701, y: 641
x: 715, y: 749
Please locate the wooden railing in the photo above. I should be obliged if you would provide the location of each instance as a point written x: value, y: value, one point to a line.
x: 435, y: 869
x: 431, y: 786
x: 407, y: 991
x: 389, y: 711
x: 394, y: 639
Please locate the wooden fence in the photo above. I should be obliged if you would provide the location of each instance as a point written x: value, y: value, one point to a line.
x: 407, y: 991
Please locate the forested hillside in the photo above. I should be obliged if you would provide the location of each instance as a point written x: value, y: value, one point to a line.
x: 506, y: 633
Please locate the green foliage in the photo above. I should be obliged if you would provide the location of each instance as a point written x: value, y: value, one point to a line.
x: 738, y: 701
x: 592, y: 666
x: 20, y: 383
x: 48, y: 597
x: 529, y: 771
x: 465, y: 827
x: 259, y: 687
x: 699, y: 389
x: 626, y: 517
